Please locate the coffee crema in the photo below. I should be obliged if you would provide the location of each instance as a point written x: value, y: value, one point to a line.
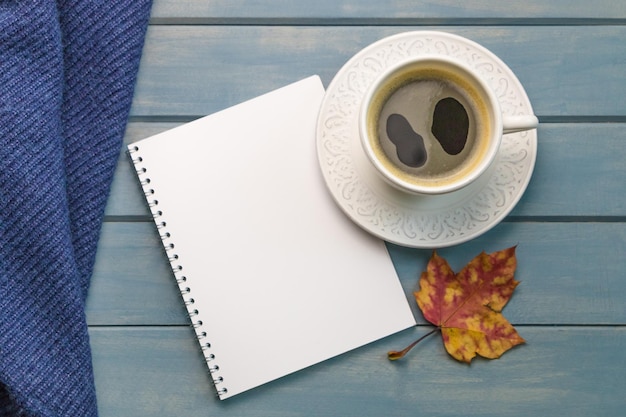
x: 429, y: 126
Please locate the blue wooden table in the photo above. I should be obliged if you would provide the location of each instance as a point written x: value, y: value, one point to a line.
x: 570, y: 226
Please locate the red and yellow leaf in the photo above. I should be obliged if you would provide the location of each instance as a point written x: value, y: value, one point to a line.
x: 467, y: 306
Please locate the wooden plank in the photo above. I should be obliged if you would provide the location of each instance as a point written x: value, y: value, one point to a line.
x: 353, y: 9
x: 580, y: 171
x: 201, y: 57
x: 566, y: 182
x: 572, y: 371
x: 126, y: 197
x: 197, y: 70
x: 132, y: 281
x: 571, y: 273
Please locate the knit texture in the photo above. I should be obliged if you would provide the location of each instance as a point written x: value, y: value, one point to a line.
x: 67, y: 73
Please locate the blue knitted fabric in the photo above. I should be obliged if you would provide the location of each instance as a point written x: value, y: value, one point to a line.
x: 67, y: 72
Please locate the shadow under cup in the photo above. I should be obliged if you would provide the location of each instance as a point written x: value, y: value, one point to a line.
x: 430, y: 125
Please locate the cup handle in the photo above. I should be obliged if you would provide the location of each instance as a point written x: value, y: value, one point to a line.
x: 512, y: 124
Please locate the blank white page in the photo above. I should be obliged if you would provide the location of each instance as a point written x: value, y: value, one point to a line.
x: 281, y: 279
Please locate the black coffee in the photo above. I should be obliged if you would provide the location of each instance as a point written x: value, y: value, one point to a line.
x: 450, y: 125
x: 424, y: 127
x: 410, y: 148
x: 430, y: 127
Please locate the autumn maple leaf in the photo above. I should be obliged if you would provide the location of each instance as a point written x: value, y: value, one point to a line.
x: 466, y: 307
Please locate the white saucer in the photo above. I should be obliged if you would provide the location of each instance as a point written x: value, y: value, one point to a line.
x: 398, y: 217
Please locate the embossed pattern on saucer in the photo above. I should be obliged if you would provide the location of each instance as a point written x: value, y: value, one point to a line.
x: 395, y: 216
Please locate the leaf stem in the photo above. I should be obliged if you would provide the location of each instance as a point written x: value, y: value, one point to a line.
x: 394, y: 355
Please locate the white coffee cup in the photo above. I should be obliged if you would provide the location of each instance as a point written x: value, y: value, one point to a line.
x: 431, y: 125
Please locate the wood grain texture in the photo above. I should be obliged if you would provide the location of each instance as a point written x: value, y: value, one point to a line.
x: 565, y: 279
x: 167, y: 10
x: 569, y: 227
x: 197, y: 70
x: 566, y: 182
x: 569, y: 371
x: 132, y: 281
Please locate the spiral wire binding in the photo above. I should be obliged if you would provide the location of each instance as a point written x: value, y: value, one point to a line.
x: 169, y: 246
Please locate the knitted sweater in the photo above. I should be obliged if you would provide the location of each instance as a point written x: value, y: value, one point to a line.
x: 67, y: 72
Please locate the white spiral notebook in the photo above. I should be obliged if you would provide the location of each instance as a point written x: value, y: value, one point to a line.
x: 274, y: 276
